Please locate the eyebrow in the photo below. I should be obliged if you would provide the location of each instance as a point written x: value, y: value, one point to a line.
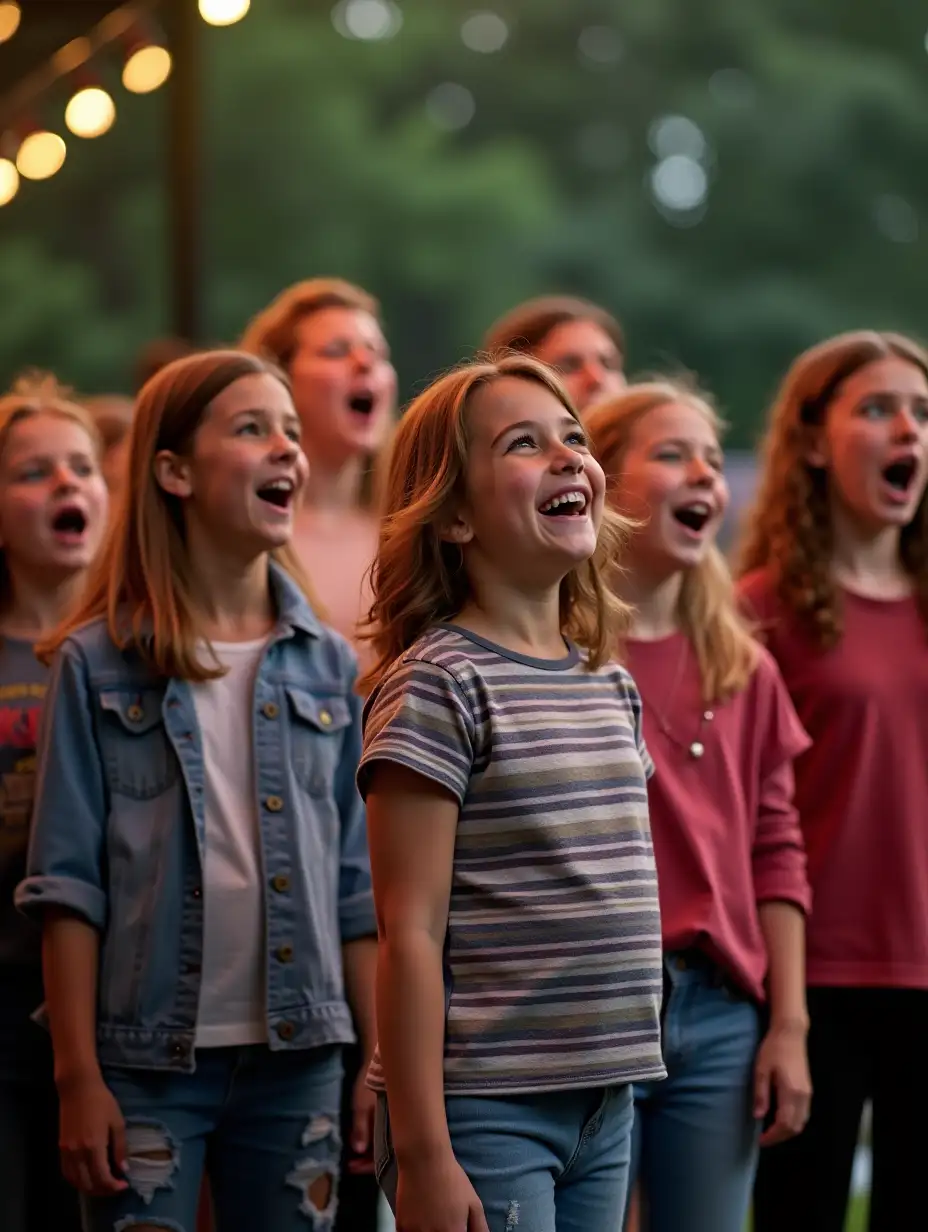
x: 263, y: 412
x: 567, y: 421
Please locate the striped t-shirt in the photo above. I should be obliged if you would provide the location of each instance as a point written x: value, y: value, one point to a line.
x: 552, y: 961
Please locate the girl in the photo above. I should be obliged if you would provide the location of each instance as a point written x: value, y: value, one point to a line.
x: 836, y: 564
x: 52, y: 514
x: 518, y: 980
x: 328, y: 336
x: 580, y: 340
x: 730, y: 861
x: 198, y: 859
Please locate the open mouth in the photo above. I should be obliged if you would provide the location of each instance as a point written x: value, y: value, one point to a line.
x: 564, y: 505
x: 279, y: 493
x: 362, y: 404
x: 694, y: 517
x: 69, y: 521
x: 900, y: 475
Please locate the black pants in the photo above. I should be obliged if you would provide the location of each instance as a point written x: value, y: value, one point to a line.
x: 358, y: 1196
x: 864, y: 1043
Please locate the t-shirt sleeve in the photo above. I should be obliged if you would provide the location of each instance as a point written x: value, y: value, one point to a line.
x: 419, y: 717
x: 635, y: 704
x: 779, y: 857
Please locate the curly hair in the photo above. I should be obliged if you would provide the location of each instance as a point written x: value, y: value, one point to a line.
x: 417, y: 578
x: 790, y: 527
x: 708, y: 613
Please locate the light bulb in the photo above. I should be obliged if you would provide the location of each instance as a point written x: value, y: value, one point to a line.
x: 40, y: 155
x: 9, y: 181
x: 10, y: 16
x: 147, y: 69
x: 223, y: 12
x: 90, y: 113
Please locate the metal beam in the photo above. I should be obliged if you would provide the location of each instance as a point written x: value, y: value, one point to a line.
x: 182, y: 24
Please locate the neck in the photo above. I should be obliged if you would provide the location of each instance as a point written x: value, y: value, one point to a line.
x: 868, y: 561
x: 655, y: 602
x: 233, y: 597
x: 36, y: 608
x: 528, y: 622
x: 333, y: 488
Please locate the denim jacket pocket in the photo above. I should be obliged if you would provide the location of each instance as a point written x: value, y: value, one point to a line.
x: 317, y: 725
x: 139, y: 758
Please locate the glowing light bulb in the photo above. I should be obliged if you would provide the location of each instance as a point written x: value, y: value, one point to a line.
x: 146, y: 69
x: 9, y: 181
x: 223, y: 12
x: 10, y: 16
x: 41, y: 155
x: 90, y: 113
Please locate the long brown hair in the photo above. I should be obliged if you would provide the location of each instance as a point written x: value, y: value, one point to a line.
x: 272, y: 333
x: 141, y: 582
x: 790, y: 528
x: 416, y: 579
x: 38, y: 393
x: 707, y: 610
x: 525, y: 327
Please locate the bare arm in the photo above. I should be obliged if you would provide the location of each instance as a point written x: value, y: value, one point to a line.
x: 359, y: 959
x: 782, y: 1064
x: 412, y: 824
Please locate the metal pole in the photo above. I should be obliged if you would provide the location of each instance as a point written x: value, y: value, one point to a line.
x: 183, y: 180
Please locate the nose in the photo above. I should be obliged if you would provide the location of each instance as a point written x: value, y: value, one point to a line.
x: 363, y: 358
x: 701, y: 473
x: 284, y: 446
x: 65, y: 480
x: 566, y: 460
x: 907, y: 427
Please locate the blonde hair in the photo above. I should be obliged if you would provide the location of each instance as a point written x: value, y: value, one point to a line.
x: 272, y: 333
x: 416, y: 578
x: 707, y: 613
x: 39, y: 393
x: 790, y: 528
x: 142, y: 582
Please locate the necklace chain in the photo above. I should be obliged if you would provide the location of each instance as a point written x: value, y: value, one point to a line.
x: 696, y: 747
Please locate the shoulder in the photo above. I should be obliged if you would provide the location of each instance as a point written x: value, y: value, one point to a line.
x: 330, y: 655
x: 618, y: 678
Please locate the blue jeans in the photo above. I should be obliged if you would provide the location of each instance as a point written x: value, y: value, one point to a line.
x: 263, y: 1124
x: 538, y: 1162
x: 695, y: 1138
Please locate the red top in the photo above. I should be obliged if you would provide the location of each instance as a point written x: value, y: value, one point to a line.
x: 726, y: 835
x: 862, y: 789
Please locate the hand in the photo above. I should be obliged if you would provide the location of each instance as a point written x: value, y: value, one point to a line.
x: 783, y: 1067
x: 361, y: 1146
x: 437, y: 1197
x: 92, y: 1134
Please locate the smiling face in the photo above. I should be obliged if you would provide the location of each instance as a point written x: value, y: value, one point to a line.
x: 533, y: 491
x: 874, y: 444
x: 344, y: 385
x: 53, y: 499
x: 586, y: 358
x: 240, y: 483
x: 671, y: 481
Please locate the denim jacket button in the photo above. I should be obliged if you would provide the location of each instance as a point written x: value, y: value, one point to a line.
x: 271, y: 710
x: 281, y: 883
x: 285, y: 953
x: 178, y: 1050
x: 273, y: 804
x: 135, y: 713
x: 325, y: 718
x: 285, y: 1030
x: 196, y: 892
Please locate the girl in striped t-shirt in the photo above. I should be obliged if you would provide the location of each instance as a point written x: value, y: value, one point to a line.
x: 519, y: 974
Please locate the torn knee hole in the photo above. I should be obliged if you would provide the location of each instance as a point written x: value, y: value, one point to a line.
x: 153, y: 1156
x: 321, y: 1191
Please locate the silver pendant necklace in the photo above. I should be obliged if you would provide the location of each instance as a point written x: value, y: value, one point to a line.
x: 696, y: 747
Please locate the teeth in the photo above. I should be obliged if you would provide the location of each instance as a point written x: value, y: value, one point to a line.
x: 567, y: 498
x: 698, y: 507
x: 281, y: 485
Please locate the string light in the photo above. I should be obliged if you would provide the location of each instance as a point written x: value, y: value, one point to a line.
x: 41, y: 154
x: 10, y: 17
x: 9, y: 181
x: 90, y: 113
x: 223, y: 12
x: 146, y: 69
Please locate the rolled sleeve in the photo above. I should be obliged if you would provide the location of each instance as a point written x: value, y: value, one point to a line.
x: 355, y: 893
x: 64, y: 864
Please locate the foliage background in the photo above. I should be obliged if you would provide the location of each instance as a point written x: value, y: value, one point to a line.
x: 323, y: 154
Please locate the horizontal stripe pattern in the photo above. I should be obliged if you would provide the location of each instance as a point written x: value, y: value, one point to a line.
x: 553, y: 951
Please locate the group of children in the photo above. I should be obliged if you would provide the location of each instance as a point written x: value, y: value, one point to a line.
x: 589, y: 889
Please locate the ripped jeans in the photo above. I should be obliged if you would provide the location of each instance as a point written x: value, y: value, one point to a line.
x: 264, y: 1125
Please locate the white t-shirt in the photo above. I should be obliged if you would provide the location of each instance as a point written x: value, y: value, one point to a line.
x: 232, y: 989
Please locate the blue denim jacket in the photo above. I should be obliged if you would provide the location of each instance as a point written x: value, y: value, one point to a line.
x: 118, y: 834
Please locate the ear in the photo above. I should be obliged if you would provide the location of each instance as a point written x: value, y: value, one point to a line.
x: 172, y: 474
x: 816, y: 453
x: 458, y: 531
